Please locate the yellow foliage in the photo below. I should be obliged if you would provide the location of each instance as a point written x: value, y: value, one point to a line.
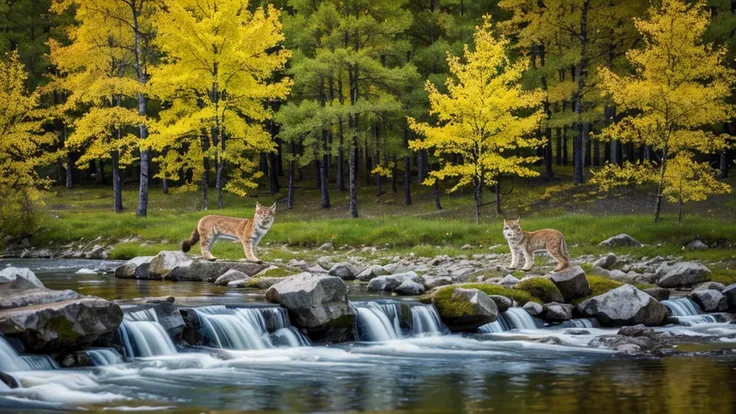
x: 216, y: 78
x: 484, y: 118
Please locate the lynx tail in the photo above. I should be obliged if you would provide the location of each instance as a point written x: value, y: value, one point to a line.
x: 187, y: 244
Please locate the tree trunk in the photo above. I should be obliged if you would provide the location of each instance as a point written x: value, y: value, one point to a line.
x: 723, y: 164
x: 660, y: 184
x: 581, y: 70
x: 324, y: 190
x: 117, y: 188
x: 395, y: 176
x: 477, y: 196
x: 407, y: 169
x: 421, y: 168
x: 99, y: 173
x: 353, y: 161
x: 206, y: 173
x: 318, y: 173
x: 142, y: 210
x: 596, y: 153
x: 436, y: 194
x: 565, y: 152
x: 341, y: 161
x: 548, y: 155
x: 577, y: 153
x: 220, y: 177
x: 69, y: 166
x: 498, y: 199
x: 558, y: 149
x: 290, y: 192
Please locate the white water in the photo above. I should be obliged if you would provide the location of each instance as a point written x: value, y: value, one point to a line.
x: 104, y: 356
x: 39, y: 362
x: 378, y: 322
x: 499, y: 325
x: 518, y: 318
x: 580, y: 323
x: 9, y: 358
x: 425, y: 320
x: 143, y: 336
x: 688, y: 313
x: 246, y: 328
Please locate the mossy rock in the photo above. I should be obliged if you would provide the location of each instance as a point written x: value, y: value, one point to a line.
x: 542, y: 288
x: 442, y: 297
x: 600, y: 285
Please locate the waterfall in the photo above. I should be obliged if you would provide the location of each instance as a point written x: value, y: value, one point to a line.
x: 499, y: 325
x: 143, y: 336
x: 246, y: 328
x: 425, y: 320
x: 688, y: 313
x: 518, y: 318
x: 104, y: 356
x: 39, y: 362
x: 378, y: 321
x: 580, y: 323
x: 10, y: 360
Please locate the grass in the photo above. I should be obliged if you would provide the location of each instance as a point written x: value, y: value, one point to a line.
x: 448, y: 307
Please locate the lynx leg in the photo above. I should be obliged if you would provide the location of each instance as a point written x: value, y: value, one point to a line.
x: 514, y: 259
x: 248, y: 249
x: 205, y: 242
x: 562, y: 261
x: 528, y: 260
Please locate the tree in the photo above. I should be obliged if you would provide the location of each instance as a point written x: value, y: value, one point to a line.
x: 679, y: 86
x: 23, y: 148
x: 485, y: 118
x: 216, y: 77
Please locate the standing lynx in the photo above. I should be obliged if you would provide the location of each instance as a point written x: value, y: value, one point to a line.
x: 527, y: 242
x: 248, y: 231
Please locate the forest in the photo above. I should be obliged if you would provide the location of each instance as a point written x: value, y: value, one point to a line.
x: 225, y: 96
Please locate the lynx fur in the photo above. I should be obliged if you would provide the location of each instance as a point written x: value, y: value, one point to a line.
x: 527, y: 242
x: 248, y: 231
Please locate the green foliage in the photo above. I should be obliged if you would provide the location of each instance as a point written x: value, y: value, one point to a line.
x: 540, y: 287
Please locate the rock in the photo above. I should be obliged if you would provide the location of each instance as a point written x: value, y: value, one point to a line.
x: 470, y: 309
x: 682, y: 274
x: 625, y: 305
x: 509, y: 281
x: 502, y: 302
x: 621, y: 240
x: 231, y: 275
x: 206, y: 271
x: 344, y: 271
x: 389, y: 283
x: 710, y: 300
x: 658, y: 293
x: 696, y: 245
x: 327, y: 246
x: 557, y: 311
x: 410, y: 288
x: 316, y: 303
x: 730, y: 293
x: 163, y: 263
x: 21, y: 298
x: 533, y: 308
x: 237, y: 283
x: 135, y: 268
x: 8, y: 380
x: 61, y: 326
x: 606, y: 262
x: 466, y: 247
x: 262, y: 282
x: 371, y: 272
x: 572, y: 283
x: 636, y: 331
x: 433, y: 282
x: 18, y: 278
x: 710, y: 285
x: 542, y: 288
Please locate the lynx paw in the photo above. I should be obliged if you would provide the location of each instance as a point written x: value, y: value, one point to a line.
x: 256, y: 260
x: 526, y: 269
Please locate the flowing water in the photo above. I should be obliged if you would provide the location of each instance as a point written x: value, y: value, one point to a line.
x: 688, y: 313
x: 405, y: 361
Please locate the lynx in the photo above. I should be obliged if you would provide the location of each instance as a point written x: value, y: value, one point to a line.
x: 248, y: 231
x: 527, y: 242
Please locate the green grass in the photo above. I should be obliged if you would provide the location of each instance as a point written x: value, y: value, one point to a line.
x: 448, y: 307
x: 723, y: 275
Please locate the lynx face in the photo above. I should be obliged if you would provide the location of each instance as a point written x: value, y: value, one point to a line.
x: 265, y: 215
x: 511, y: 229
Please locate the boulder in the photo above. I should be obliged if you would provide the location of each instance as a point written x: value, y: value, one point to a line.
x: 509, y: 281
x: 371, y: 272
x: 21, y: 298
x: 682, y: 274
x: 696, y: 245
x: 344, y: 271
x: 502, y: 302
x: 468, y: 310
x: 621, y: 240
x: 316, y: 303
x: 389, y: 283
x: 9, y: 380
x: 606, y: 261
x: 207, y: 271
x: 710, y: 285
x: 557, y: 311
x: 135, y: 268
x: 658, y: 293
x: 262, y: 282
x: 18, y: 278
x: 165, y: 261
x: 710, y: 300
x: 730, y: 293
x: 232, y: 275
x: 410, y: 288
x: 533, y: 308
x: 542, y: 288
x: 433, y: 282
x: 61, y: 326
x: 572, y: 283
x: 625, y: 305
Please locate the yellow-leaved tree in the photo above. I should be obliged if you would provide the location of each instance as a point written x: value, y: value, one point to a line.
x: 484, y: 119
x: 24, y: 146
x: 679, y: 87
x: 216, y: 78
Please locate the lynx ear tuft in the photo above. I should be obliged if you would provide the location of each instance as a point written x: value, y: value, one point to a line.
x: 258, y: 204
x: 273, y: 207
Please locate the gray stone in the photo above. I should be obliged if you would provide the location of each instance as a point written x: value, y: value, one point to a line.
x: 636, y: 331
x: 621, y: 240
x: 710, y: 285
x: 315, y: 269
x: 165, y: 261
x: 572, y: 283
x: 433, y: 282
x: 509, y: 281
x: 316, y: 303
x: 232, y: 275
x: 658, y: 293
x: 730, y: 293
x: 262, y: 282
x: 502, y: 302
x: 554, y: 311
x: 606, y: 261
x: 533, y: 308
x: 207, y: 271
x: 682, y: 274
x: 344, y: 271
x: 625, y: 305
x: 18, y: 278
x: 371, y: 272
x: 389, y: 283
x: 327, y: 246
x: 696, y: 245
x: 710, y: 300
x: 61, y: 326
x: 481, y: 310
x: 410, y: 288
x: 135, y: 268
x: 20, y: 298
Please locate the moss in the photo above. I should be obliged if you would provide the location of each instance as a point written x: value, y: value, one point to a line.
x: 598, y: 286
x: 405, y: 316
x: 723, y: 275
x: 448, y: 307
x: 64, y: 329
x: 540, y: 287
x: 587, y: 267
x: 345, y: 321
